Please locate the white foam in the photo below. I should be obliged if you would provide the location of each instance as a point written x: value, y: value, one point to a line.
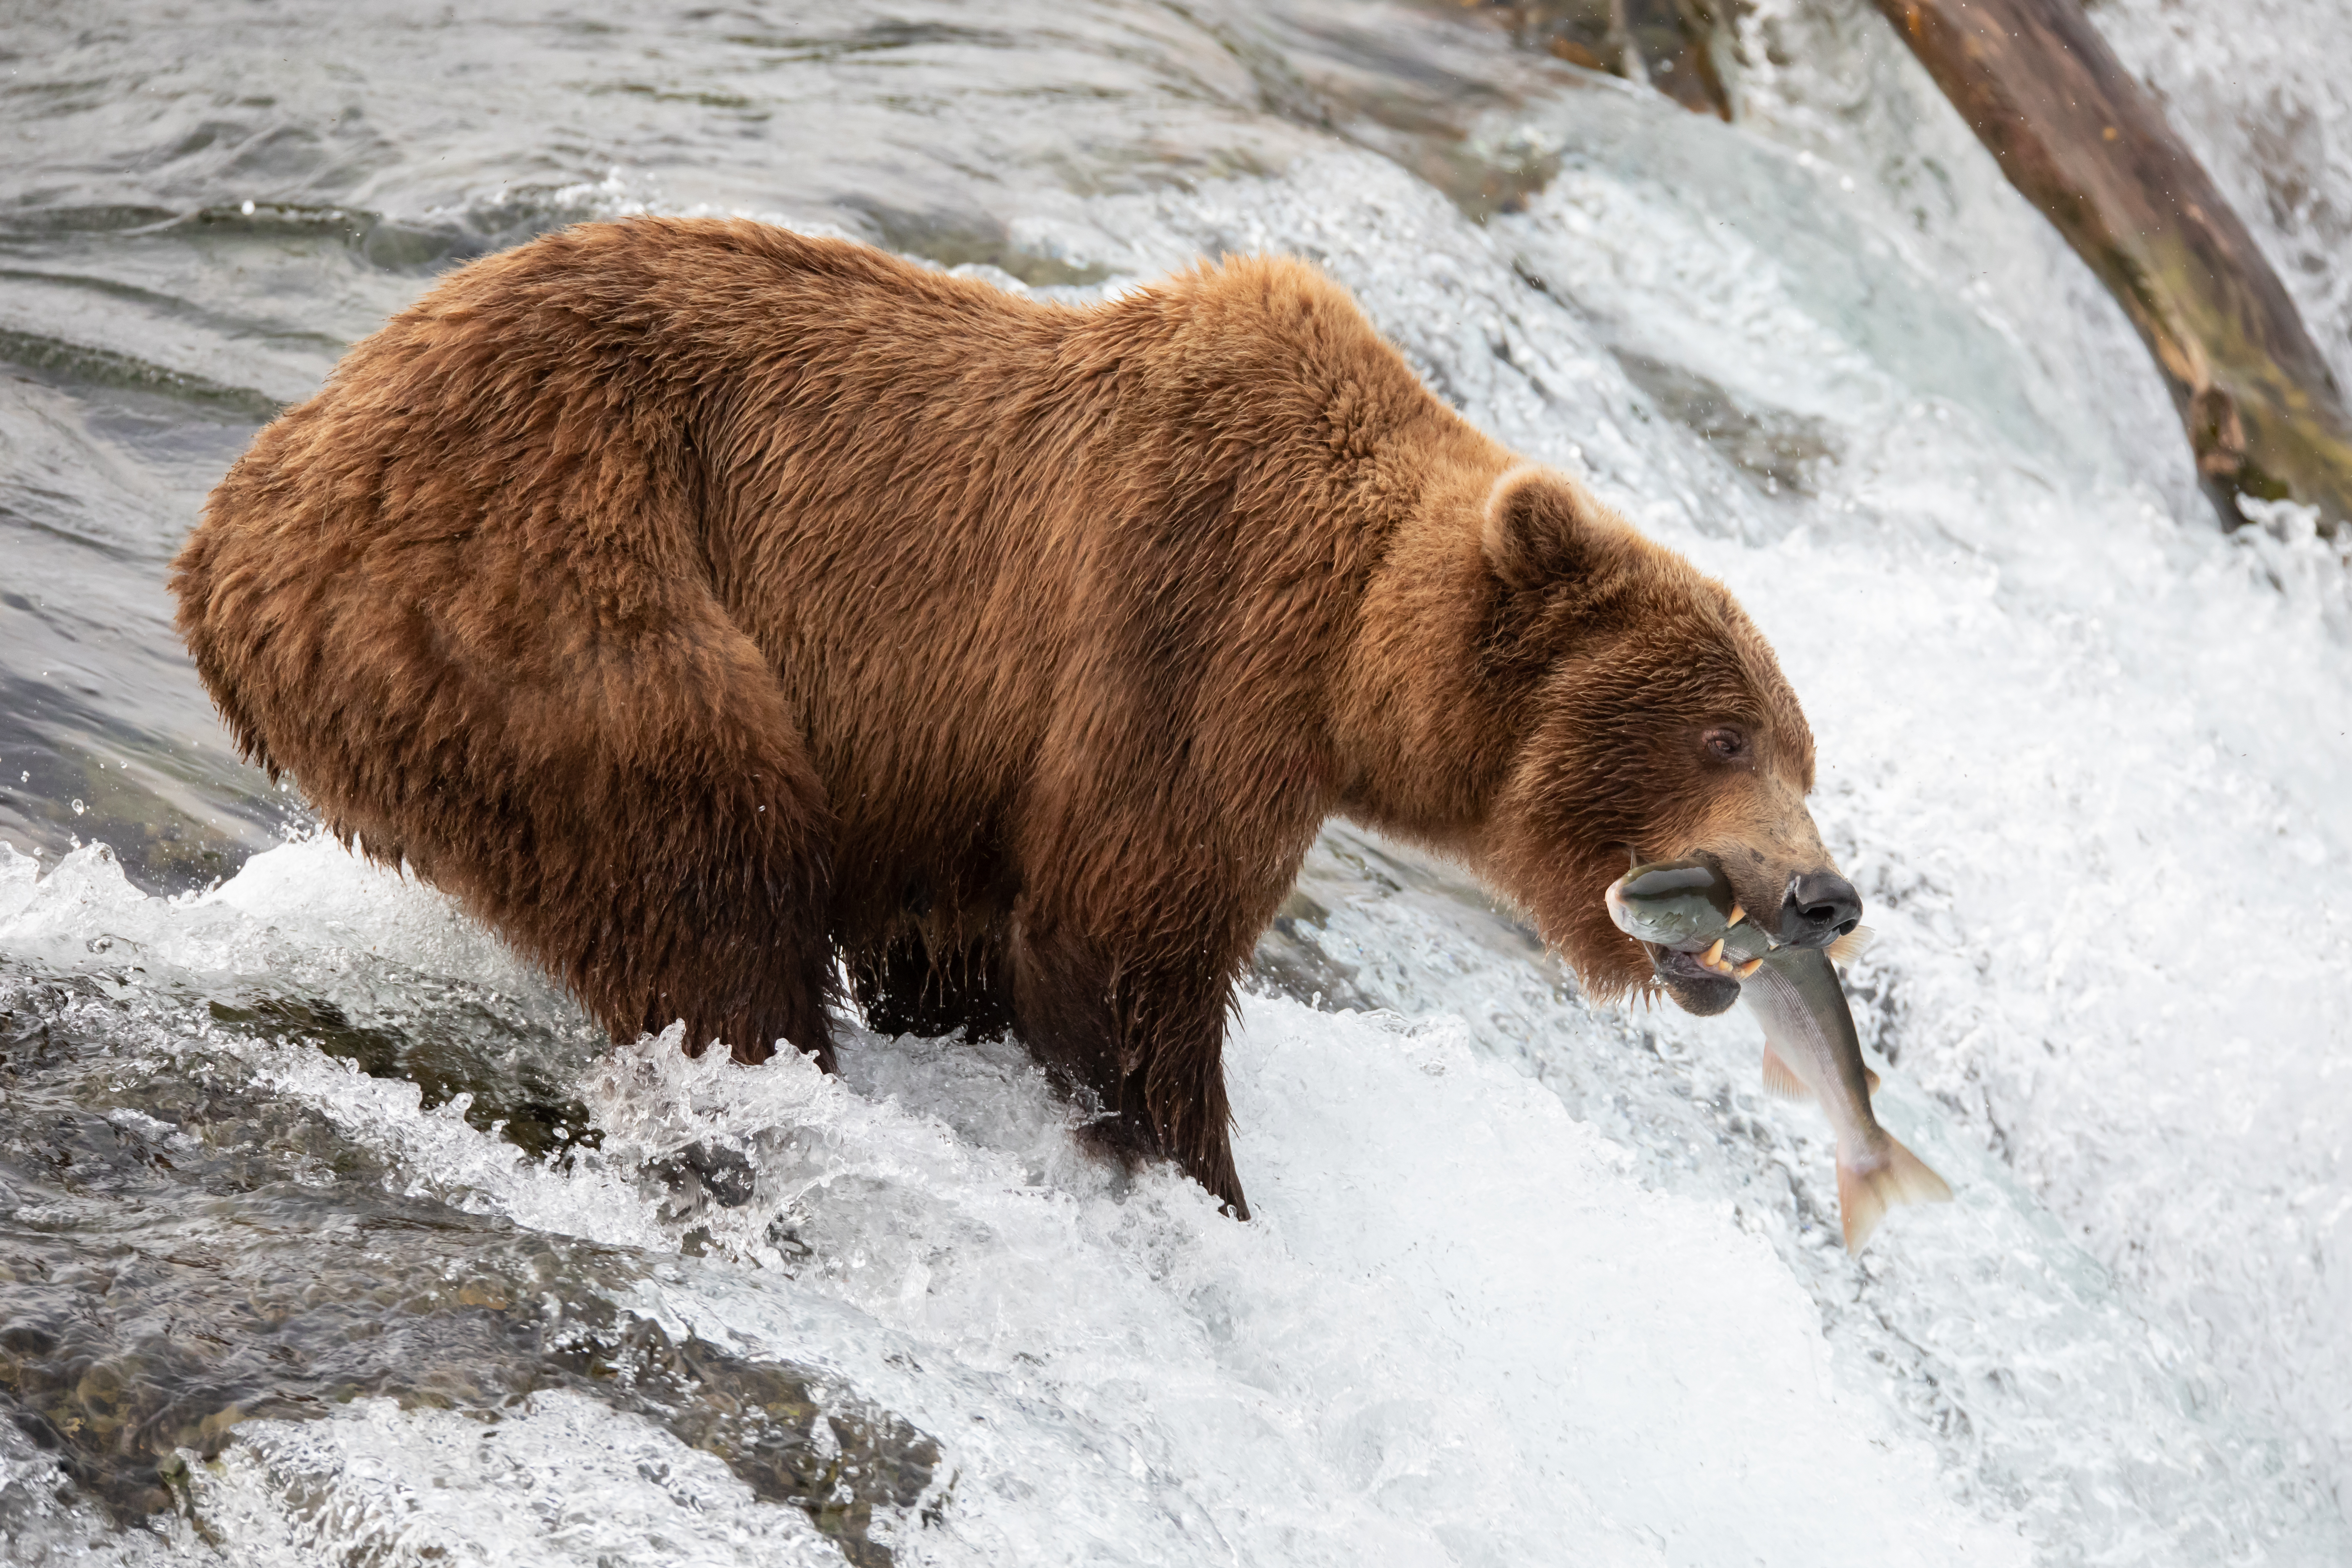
x: 558, y: 1478
x: 307, y: 903
x: 1458, y: 1331
x: 2083, y: 754
x: 1461, y: 1330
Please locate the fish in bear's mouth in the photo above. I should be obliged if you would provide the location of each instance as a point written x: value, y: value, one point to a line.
x: 1691, y: 960
x: 1686, y: 910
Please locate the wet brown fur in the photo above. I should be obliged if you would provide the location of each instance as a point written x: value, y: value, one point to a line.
x: 697, y: 602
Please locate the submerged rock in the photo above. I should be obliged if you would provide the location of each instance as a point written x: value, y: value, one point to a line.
x: 184, y: 1252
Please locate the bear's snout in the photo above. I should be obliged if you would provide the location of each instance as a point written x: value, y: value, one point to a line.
x: 1819, y: 908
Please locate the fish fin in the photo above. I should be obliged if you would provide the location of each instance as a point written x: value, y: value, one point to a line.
x: 1850, y: 946
x: 1780, y: 1078
x: 1864, y: 1196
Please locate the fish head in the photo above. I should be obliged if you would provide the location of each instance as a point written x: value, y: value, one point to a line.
x: 1659, y: 727
x: 1673, y: 903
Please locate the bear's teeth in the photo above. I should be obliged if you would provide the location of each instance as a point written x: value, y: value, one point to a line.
x: 1713, y: 957
x: 1738, y: 914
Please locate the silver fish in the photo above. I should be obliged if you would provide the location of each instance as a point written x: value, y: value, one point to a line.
x: 1811, y: 1047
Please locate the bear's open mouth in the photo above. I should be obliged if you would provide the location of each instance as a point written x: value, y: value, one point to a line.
x: 1677, y: 963
x: 1693, y: 987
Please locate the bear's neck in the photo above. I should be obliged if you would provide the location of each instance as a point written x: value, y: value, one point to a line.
x: 1424, y: 727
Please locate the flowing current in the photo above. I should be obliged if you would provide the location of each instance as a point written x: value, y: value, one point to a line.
x: 329, y: 1233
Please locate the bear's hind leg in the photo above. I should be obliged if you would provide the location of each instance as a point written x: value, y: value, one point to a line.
x: 627, y: 801
x: 663, y: 848
x: 467, y: 597
x: 718, y: 902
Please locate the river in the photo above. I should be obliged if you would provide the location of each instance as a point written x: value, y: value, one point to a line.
x: 331, y: 1233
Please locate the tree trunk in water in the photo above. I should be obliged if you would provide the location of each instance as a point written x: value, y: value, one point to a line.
x: 2080, y: 139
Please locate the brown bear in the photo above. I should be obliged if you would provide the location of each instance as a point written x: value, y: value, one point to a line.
x: 714, y: 610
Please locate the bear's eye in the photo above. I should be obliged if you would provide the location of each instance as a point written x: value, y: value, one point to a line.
x: 1726, y: 745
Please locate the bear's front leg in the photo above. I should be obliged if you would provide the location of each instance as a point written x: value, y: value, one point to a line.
x: 1137, y: 1018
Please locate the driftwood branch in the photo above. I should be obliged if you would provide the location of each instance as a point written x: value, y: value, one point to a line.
x: 2080, y: 139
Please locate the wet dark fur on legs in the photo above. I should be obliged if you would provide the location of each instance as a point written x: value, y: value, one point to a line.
x: 698, y: 602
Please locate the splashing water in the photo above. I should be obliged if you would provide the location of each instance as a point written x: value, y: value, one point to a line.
x: 334, y: 1234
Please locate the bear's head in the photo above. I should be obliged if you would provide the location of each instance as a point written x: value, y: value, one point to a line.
x: 1644, y: 719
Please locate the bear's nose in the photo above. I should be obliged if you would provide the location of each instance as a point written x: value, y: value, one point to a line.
x: 1822, y: 906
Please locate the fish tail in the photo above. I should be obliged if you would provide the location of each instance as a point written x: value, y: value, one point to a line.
x: 1895, y: 1175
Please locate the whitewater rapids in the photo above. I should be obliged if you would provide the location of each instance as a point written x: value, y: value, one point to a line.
x: 1532, y: 1282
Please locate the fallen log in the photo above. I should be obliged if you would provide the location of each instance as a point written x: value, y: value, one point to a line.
x: 2081, y: 140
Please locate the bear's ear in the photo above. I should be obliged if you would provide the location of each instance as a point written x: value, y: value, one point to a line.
x: 1542, y: 526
